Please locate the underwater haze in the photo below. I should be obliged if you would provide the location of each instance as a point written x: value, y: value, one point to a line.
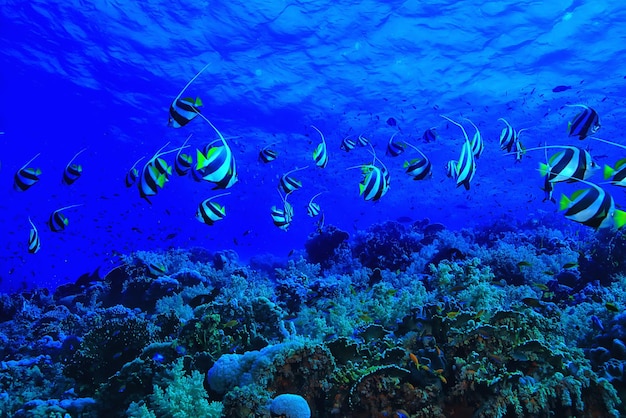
x: 330, y: 178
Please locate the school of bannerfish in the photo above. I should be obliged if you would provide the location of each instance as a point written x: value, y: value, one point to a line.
x: 592, y: 205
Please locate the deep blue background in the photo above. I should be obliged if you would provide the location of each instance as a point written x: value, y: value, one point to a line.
x: 102, y: 75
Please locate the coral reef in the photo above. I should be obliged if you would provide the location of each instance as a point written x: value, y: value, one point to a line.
x: 424, y: 322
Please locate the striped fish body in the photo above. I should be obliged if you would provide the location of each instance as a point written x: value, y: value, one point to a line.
x: 507, y: 138
x: 151, y: 181
x: 466, y: 166
x: 617, y: 174
x: 429, y: 135
x: 451, y: 169
x: 569, y: 165
x: 592, y: 207
x: 478, y: 145
x: 156, y: 269
x: 71, y: 173
x: 182, y: 164
x: 313, y: 209
x: 347, y: 144
x: 288, y: 184
x: 218, y: 166
x: 163, y: 167
x: 25, y: 178
x: 267, y: 155
x: 282, y: 217
x: 34, y: 242
x: 230, y: 179
x: 362, y: 141
x: 182, y: 111
x: 210, y: 212
x: 320, y: 155
x: 58, y: 221
x: 375, y: 184
x: 519, y: 151
x: 586, y: 123
x: 418, y: 168
x: 394, y: 148
x: 131, y: 177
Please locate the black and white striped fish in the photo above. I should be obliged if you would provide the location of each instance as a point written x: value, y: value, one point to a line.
x: 72, y: 171
x: 569, y: 164
x: 267, y: 155
x: 210, y: 212
x: 347, y: 144
x: 362, y: 141
x: 282, y: 217
x: 34, y: 242
x: 395, y: 148
x: 153, y: 175
x: 418, y: 168
x: 156, y: 269
x: 218, y: 165
x: 451, y: 169
x: 376, y: 180
x: 320, y: 154
x: 586, y: 123
x: 182, y: 111
x: 183, y: 162
x: 58, y: 221
x: 313, y: 208
x: 429, y: 135
x: 133, y: 174
x: 26, y: 176
x: 288, y: 184
x: 593, y: 207
x: 477, y: 142
x: 509, y: 136
x: 465, y: 167
x: 374, y: 185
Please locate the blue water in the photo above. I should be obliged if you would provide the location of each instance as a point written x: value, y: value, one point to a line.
x: 102, y: 75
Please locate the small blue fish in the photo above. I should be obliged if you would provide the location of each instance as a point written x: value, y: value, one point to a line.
x: 559, y: 89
